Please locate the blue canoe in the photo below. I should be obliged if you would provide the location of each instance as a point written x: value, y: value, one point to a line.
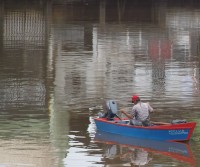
x: 166, y: 132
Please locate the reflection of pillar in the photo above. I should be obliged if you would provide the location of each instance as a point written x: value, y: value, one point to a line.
x: 158, y: 77
x: 59, y: 118
x: 1, y: 24
x: 88, y: 37
x: 162, y: 13
x: 198, y: 53
x: 154, y: 11
x: 159, y: 51
x: 198, y: 47
x: 48, y: 60
x: 121, y: 9
x: 158, y: 70
x: 158, y: 11
x: 59, y: 128
x: 102, y: 12
x: 48, y: 19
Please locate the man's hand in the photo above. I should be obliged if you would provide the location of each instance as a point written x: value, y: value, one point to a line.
x: 126, y: 113
x: 122, y: 111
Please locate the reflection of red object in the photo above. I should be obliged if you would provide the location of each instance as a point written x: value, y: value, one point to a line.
x: 154, y: 49
x: 166, y: 49
x: 160, y: 49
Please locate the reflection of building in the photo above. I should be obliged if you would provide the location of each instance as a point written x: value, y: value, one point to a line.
x: 21, y: 60
x: 23, y: 153
x: 160, y: 51
x: 25, y: 87
x: 65, y: 55
x: 154, y: 39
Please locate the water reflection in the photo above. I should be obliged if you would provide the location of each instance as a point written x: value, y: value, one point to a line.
x: 59, y: 58
x: 140, y: 152
x: 132, y: 156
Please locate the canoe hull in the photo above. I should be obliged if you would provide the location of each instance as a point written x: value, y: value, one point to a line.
x: 175, y: 132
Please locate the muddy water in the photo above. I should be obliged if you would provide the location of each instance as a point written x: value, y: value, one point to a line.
x: 59, y: 62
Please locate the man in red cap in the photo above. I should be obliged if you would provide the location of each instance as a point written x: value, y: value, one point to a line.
x: 140, y: 112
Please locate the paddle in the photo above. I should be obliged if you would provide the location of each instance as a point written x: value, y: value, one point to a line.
x: 118, y: 117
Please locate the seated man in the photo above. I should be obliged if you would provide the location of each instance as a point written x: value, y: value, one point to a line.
x: 140, y: 112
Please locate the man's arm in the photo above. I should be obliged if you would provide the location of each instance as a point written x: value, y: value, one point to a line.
x: 127, y: 114
x: 150, y: 108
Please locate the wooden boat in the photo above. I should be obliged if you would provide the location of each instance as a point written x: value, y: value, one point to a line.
x: 158, y: 131
x: 176, y: 150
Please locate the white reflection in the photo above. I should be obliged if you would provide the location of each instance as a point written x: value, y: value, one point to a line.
x: 81, y: 157
x: 91, y: 127
x: 183, y: 19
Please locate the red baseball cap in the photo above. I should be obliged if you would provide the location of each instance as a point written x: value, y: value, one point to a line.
x: 135, y: 98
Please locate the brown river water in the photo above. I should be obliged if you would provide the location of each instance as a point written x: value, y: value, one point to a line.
x: 61, y: 60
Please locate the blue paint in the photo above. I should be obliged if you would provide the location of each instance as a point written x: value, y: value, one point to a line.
x: 143, y: 133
